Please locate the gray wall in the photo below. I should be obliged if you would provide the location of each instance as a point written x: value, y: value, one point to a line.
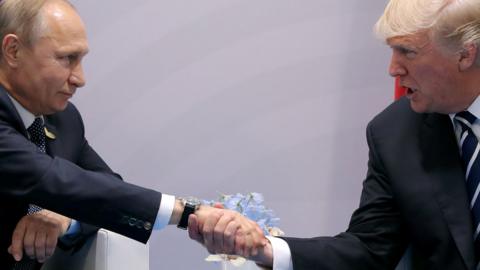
x: 223, y: 96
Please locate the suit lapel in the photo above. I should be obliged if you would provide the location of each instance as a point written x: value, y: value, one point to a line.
x: 441, y: 160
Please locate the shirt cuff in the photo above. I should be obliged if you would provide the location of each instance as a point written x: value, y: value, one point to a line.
x: 164, y: 212
x: 73, y: 228
x: 282, y: 257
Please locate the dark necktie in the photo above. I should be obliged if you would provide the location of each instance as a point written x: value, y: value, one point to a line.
x: 470, y: 151
x: 37, y: 136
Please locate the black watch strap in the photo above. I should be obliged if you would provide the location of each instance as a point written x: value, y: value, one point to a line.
x: 187, y: 210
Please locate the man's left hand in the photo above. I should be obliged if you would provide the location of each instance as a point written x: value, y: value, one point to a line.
x: 37, y: 235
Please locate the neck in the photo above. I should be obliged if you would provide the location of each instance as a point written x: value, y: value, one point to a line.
x: 8, y: 85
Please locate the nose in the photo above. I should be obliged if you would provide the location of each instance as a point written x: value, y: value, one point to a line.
x: 396, y: 68
x: 77, y: 77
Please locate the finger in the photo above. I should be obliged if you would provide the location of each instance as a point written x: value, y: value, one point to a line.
x: 257, y: 237
x: 29, y: 242
x: 16, y: 248
x: 219, y: 230
x: 260, y: 232
x: 208, y: 230
x: 193, y: 230
x: 229, y: 237
x: 51, y: 244
x: 247, y: 250
x: 39, y: 244
x: 239, y: 242
x: 248, y: 228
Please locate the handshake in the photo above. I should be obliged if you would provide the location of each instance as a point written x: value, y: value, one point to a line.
x: 223, y: 231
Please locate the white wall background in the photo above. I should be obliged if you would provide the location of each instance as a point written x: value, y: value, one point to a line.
x: 220, y: 96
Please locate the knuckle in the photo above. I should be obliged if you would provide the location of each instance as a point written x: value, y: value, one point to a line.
x: 217, y: 231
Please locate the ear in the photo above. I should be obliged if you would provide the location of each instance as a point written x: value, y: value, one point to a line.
x: 468, y: 56
x: 10, y: 49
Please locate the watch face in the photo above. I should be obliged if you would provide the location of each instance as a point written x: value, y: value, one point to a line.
x: 192, y: 201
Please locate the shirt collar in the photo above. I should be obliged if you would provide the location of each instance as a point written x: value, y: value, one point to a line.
x: 26, y: 116
x: 473, y: 109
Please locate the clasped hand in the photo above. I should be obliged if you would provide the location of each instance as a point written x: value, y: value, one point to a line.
x: 224, y: 231
x: 37, y: 235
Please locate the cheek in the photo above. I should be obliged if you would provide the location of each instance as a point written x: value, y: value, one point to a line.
x: 433, y: 80
x: 55, y: 80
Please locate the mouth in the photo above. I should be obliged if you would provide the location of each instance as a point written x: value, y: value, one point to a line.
x: 69, y: 95
x: 410, y: 91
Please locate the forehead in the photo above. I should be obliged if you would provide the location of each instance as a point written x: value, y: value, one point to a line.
x: 64, y: 27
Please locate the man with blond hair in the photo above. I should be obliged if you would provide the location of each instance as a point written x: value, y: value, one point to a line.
x: 46, y: 161
x: 422, y: 185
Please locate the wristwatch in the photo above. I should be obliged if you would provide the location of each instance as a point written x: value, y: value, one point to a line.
x: 190, y: 205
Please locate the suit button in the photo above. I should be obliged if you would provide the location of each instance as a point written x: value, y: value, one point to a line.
x: 147, y: 226
x: 132, y: 221
x: 139, y: 224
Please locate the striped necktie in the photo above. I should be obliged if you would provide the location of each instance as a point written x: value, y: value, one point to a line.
x: 37, y: 136
x: 471, y: 163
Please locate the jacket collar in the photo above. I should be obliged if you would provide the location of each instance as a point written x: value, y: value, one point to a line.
x: 9, y: 114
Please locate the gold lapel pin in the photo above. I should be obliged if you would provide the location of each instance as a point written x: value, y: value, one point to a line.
x: 49, y: 134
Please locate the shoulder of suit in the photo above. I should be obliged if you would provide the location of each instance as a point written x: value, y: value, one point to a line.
x: 399, y: 113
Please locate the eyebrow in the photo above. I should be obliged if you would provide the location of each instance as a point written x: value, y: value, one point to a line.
x: 403, y: 47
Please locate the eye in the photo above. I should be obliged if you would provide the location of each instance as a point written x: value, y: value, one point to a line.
x: 409, y: 53
x: 68, y: 59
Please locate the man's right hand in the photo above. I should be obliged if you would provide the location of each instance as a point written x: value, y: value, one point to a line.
x: 37, y: 235
x: 226, y: 231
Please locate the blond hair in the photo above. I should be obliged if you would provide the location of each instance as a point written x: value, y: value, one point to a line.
x: 452, y: 23
x: 23, y: 18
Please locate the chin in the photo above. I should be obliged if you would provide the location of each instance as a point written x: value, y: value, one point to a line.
x: 418, y: 107
x: 58, y: 108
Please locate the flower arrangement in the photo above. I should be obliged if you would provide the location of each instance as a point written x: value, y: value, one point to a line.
x: 250, y: 205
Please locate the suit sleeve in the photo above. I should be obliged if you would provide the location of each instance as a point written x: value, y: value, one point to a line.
x: 374, y: 239
x: 88, y: 160
x: 94, y: 197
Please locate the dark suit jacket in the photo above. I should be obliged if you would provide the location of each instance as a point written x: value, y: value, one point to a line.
x: 71, y: 179
x: 414, y: 193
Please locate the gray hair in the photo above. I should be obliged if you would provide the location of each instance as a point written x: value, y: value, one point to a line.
x: 23, y: 18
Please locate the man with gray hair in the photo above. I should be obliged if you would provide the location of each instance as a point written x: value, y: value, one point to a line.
x: 46, y: 161
x: 422, y: 185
